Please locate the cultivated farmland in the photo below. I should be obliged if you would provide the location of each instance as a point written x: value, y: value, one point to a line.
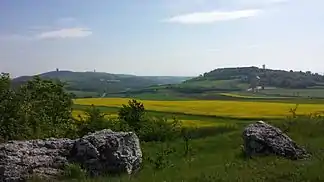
x: 233, y: 109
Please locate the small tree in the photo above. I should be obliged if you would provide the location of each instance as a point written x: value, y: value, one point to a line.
x: 94, y: 120
x: 11, y: 125
x: 46, y: 107
x: 133, y: 114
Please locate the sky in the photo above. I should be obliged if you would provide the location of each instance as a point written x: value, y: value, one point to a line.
x: 160, y: 37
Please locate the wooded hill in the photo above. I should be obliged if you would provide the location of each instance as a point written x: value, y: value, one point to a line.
x: 98, y: 82
x: 267, y: 77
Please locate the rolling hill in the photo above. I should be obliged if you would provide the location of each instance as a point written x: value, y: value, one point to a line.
x: 237, y: 81
x: 97, y: 83
x: 265, y: 77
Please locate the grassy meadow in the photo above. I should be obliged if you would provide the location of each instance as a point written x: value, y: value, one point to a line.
x: 216, y: 155
x: 218, y: 158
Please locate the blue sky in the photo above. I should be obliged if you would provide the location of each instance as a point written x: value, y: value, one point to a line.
x: 160, y: 37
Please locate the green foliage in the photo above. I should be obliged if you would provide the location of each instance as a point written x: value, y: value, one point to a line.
x: 186, y: 138
x: 74, y: 171
x: 11, y: 124
x: 93, y: 120
x: 159, y: 129
x: 276, y: 78
x: 147, y: 128
x: 37, y: 109
x: 94, y: 83
x: 46, y: 107
x: 161, y: 159
x: 133, y: 114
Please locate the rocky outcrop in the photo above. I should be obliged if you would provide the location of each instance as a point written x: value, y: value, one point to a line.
x: 100, y: 152
x: 263, y: 139
x: 105, y: 152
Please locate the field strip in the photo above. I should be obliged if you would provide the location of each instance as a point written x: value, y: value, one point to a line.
x: 185, y: 122
x: 231, y: 109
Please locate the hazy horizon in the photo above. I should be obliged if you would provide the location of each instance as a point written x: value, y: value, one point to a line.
x: 160, y: 38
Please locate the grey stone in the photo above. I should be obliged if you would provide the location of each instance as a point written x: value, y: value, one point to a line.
x: 100, y: 152
x: 261, y: 138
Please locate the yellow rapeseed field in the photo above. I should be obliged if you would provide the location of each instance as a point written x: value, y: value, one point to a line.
x: 239, y: 109
x: 185, y: 123
x: 77, y: 113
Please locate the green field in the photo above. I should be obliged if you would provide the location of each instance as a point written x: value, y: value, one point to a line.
x: 219, y: 158
x: 216, y: 154
x: 316, y: 93
x: 218, y: 84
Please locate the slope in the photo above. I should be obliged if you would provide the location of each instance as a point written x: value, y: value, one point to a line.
x: 99, y: 82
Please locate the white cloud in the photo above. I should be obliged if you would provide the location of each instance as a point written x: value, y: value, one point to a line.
x: 213, y: 16
x: 65, y: 33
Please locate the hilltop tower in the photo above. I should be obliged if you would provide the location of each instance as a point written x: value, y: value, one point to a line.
x: 264, y: 76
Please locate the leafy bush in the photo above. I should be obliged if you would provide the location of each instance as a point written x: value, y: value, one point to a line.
x: 11, y: 124
x: 133, y: 114
x: 93, y: 120
x: 45, y: 107
x: 133, y: 117
x: 159, y: 129
x: 37, y: 109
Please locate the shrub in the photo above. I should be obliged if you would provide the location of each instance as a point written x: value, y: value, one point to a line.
x: 133, y: 114
x: 45, y: 107
x: 133, y: 117
x: 159, y: 129
x: 94, y: 120
x: 11, y: 124
x: 161, y: 159
x: 37, y: 109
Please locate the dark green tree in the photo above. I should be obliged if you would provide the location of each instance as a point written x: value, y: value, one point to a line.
x: 133, y: 114
x: 11, y: 125
x: 46, y: 107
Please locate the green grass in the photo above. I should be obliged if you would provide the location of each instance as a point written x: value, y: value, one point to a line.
x: 316, y: 93
x: 219, y: 158
x: 247, y: 95
x: 217, y: 84
x: 84, y: 94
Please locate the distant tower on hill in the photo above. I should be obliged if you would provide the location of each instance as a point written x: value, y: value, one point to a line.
x: 263, y: 76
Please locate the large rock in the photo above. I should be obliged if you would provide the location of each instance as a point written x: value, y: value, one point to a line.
x: 100, y: 152
x: 106, y: 152
x: 263, y: 139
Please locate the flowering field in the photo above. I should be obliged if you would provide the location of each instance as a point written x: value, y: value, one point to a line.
x: 185, y: 122
x: 237, y: 109
x: 77, y: 113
